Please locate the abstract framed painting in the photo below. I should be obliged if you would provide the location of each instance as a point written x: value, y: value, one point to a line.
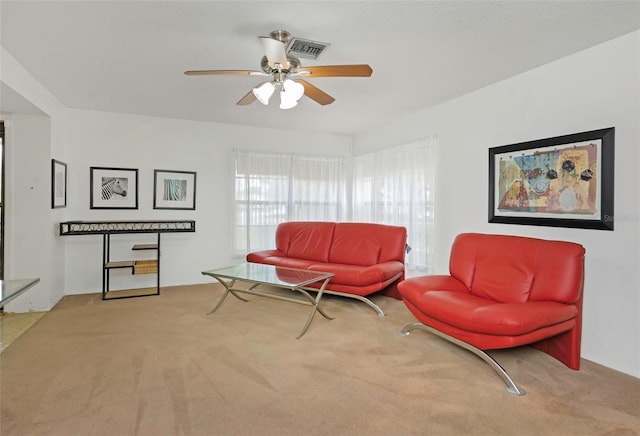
x: 564, y: 181
x: 113, y: 188
x: 58, y: 184
x: 174, y: 189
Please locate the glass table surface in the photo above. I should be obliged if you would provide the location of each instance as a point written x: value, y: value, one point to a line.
x: 9, y: 289
x: 269, y: 274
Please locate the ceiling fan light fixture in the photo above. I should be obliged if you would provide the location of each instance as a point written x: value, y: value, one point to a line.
x: 264, y: 92
x: 292, y: 91
x: 293, y: 88
x: 287, y: 101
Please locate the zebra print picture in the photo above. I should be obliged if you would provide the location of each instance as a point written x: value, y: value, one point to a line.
x: 114, y: 188
x: 174, y: 190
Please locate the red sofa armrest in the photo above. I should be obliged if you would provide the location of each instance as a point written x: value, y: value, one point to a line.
x: 261, y: 256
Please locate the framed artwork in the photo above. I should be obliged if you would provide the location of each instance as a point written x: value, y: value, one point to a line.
x: 565, y: 181
x: 174, y: 189
x: 113, y: 188
x: 58, y: 184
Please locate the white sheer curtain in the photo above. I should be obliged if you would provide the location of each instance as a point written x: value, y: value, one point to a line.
x: 272, y: 188
x: 319, y: 186
x: 396, y: 186
x: 261, y: 192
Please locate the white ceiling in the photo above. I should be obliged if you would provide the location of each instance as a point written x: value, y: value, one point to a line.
x: 129, y: 56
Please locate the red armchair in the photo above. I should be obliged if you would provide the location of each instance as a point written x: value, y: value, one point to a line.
x: 502, y: 292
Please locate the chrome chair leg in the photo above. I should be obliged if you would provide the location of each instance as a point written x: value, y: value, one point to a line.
x: 512, y: 387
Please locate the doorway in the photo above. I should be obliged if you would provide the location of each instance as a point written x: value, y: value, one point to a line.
x: 2, y: 146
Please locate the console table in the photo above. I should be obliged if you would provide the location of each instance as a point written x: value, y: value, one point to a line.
x: 108, y: 228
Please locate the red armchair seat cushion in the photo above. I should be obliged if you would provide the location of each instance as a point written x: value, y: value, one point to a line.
x: 469, y: 312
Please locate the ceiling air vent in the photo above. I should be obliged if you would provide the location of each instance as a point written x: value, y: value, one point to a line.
x: 306, y: 49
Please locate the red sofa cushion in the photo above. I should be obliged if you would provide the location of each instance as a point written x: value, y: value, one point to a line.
x: 356, y: 275
x: 360, y: 290
x: 305, y: 240
x: 367, y: 244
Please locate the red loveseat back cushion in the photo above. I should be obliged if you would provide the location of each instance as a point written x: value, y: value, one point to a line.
x: 565, y: 281
x: 308, y: 240
x: 514, y: 269
x: 367, y: 244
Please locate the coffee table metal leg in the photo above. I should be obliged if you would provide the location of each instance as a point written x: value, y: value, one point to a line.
x: 314, y: 302
x: 315, y: 306
x: 228, y: 288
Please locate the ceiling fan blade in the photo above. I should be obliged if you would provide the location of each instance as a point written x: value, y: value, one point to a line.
x: 221, y: 72
x: 249, y: 98
x: 361, y: 70
x: 275, y: 51
x: 315, y: 93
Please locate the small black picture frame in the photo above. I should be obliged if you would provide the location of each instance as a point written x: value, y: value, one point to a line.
x: 174, y: 189
x: 113, y: 188
x: 58, y: 184
x: 564, y: 181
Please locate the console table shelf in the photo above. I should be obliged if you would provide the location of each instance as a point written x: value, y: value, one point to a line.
x: 120, y: 264
x: 145, y: 247
x: 142, y: 266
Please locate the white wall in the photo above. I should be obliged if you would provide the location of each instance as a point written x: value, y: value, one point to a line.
x: 32, y: 249
x: 146, y: 143
x: 593, y: 89
x: 27, y: 199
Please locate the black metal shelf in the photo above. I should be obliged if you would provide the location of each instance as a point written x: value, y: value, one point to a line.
x: 102, y: 227
x: 108, y: 228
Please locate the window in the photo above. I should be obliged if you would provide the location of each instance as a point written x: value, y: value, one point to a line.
x: 396, y: 186
x: 271, y: 188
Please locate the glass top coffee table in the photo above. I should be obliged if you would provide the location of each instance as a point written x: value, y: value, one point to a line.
x: 256, y: 274
x: 10, y: 289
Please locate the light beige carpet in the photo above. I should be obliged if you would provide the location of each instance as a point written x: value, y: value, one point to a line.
x: 12, y: 325
x: 160, y: 366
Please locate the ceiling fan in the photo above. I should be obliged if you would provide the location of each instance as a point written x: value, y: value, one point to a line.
x: 287, y: 75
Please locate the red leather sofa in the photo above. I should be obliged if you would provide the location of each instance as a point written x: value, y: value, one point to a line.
x: 365, y: 258
x: 501, y: 292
